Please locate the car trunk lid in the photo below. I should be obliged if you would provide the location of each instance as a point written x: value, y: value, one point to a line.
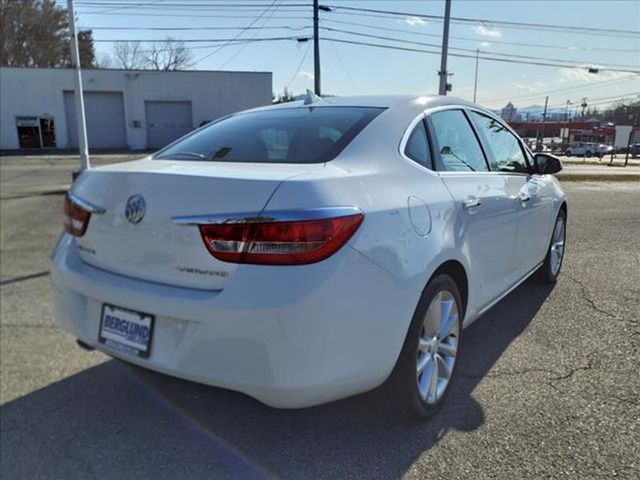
x: 156, y: 248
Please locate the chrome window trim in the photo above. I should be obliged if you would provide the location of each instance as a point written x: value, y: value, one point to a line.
x: 85, y: 205
x: 268, y: 216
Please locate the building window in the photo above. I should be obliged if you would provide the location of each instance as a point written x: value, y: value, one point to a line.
x: 34, y: 132
x: 48, y: 133
x: 28, y: 132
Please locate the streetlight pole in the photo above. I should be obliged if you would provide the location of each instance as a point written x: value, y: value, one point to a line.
x: 316, y: 50
x: 544, y: 120
x: 442, y: 90
x: 475, y: 82
x: 80, y: 118
x: 567, y: 120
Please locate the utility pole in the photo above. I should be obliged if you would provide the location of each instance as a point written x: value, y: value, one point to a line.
x: 80, y: 119
x: 316, y: 50
x: 442, y: 90
x: 544, y: 119
x: 583, y: 105
x: 475, y: 82
x: 567, y: 120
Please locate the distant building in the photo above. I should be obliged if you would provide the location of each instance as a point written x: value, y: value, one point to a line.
x: 510, y: 113
x: 124, y: 109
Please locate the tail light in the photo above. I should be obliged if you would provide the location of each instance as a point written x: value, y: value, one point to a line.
x: 295, y: 242
x: 76, y: 218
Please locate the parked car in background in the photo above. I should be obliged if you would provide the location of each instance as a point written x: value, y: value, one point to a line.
x: 602, y: 150
x: 309, y: 251
x: 581, y: 150
x: 634, y: 150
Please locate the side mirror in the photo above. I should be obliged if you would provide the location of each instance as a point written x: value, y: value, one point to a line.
x: 547, y: 163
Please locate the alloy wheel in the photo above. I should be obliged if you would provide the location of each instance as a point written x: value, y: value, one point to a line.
x: 437, y: 347
x: 557, y: 246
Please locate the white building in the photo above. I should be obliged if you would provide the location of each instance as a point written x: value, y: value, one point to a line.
x: 125, y: 109
x: 510, y: 113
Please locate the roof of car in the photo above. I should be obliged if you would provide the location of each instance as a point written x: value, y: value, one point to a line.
x: 382, y: 101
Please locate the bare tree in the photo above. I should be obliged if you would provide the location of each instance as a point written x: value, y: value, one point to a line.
x: 129, y: 55
x: 170, y: 54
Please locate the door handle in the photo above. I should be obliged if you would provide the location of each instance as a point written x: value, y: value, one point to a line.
x: 523, y: 197
x: 471, y: 203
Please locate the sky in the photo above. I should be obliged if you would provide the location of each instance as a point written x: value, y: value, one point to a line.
x: 349, y: 69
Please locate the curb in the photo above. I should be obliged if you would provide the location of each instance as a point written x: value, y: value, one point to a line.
x: 597, y: 177
x: 53, y: 190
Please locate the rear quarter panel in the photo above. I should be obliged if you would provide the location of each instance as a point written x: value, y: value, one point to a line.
x: 409, y: 225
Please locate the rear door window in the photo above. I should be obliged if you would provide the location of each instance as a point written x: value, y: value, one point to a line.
x: 457, y: 143
x: 286, y: 135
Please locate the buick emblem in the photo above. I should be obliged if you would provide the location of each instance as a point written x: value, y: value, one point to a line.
x: 134, y: 211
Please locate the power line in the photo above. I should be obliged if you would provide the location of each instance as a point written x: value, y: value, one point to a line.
x: 364, y: 25
x: 476, y: 40
x: 567, y: 89
x: 344, y: 68
x: 295, y: 74
x: 581, y: 62
x: 199, y: 40
x: 605, y: 100
x: 169, y: 5
x: 241, y: 49
x: 181, y: 15
x: 503, y: 23
x: 251, y: 24
x: 180, y: 29
x: 461, y: 55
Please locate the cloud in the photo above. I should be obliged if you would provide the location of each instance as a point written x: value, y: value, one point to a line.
x: 582, y: 74
x: 306, y: 75
x: 485, y: 44
x: 525, y: 87
x: 487, y: 32
x: 415, y: 21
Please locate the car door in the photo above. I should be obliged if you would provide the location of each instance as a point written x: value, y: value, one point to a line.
x: 528, y: 191
x: 485, y: 229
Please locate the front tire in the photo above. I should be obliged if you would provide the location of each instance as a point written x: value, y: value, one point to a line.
x: 550, y: 269
x: 427, y: 361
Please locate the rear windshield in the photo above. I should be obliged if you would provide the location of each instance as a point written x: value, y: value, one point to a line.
x: 291, y: 135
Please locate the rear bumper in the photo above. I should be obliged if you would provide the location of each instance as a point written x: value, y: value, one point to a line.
x: 288, y: 336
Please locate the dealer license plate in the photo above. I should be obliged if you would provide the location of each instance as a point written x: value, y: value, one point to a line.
x: 126, y: 330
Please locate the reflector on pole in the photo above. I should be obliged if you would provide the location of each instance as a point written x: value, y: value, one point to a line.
x: 80, y: 119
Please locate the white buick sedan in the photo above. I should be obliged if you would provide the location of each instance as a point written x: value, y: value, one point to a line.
x: 310, y: 251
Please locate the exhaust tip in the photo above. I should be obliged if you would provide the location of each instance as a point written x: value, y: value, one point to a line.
x: 84, y: 346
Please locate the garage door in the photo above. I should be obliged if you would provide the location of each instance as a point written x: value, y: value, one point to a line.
x: 167, y: 121
x: 104, y: 112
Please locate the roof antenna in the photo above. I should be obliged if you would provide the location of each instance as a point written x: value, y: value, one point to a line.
x: 311, y: 98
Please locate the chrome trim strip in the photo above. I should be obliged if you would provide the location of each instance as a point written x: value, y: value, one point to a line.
x: 83, y: 204
x: 268, y: 216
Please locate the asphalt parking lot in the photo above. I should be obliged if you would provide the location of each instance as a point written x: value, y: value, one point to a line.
x: 548, y: 384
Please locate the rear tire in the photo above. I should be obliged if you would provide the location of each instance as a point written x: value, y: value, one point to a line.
x: 429, y: 350
x: 550, y: 269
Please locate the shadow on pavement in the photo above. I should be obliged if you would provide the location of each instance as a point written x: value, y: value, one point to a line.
x: 117, y: 421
